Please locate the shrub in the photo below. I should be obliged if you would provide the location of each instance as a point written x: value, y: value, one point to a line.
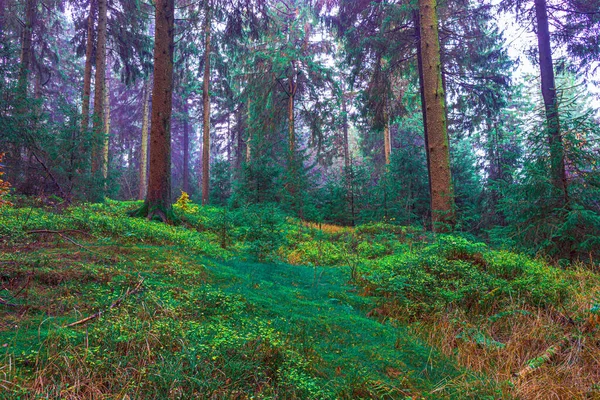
x: 453, y: 272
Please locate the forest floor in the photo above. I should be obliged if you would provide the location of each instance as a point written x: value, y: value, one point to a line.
x: 250, y: 304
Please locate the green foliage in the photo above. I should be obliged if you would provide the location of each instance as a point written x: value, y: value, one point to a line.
x: 199, y: 326
x: 454, y: 272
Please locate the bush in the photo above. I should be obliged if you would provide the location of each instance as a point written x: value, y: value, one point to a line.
x: 453, y: 272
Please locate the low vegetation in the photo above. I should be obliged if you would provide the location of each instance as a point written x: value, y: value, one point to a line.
x: 249, y: 303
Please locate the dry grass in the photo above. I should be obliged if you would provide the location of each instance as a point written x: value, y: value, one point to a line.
x: 328, y: 228
x: 547, y: 354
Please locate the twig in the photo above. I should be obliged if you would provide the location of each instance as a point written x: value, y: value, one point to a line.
x: 117, y: 303
x: 60, y: 233
x: 6, y: 303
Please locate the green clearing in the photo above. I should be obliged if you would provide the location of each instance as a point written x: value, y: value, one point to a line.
x: 213, y: 322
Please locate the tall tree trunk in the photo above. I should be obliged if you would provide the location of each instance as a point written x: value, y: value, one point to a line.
x: 99, y: 88
x: 345, y: 144
x: 144, y: 147
x: 239, y: 142
x: 105, y: 143
x: 292, y: 86
x: 417, y: 23
x: 186, y: 147
x: 206, y: 104
x: 26, y: 49
x: 557, y: 156
x: 87, y: 73
x: 387, y: 140
x: 158, y: 200
x: 442, y: 196
x: 249, y: 135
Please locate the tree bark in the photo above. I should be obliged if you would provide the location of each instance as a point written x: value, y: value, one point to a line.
x: 158, y: 199
x: 249, y: 134
x: 387, y: 140
x: 239, y: 142
x: 99, y: 87
x: 87, y: 73
x: 186, y: 147
x: 105, y: 144
x: 557, y: 156
x: 144, y: 147
x: 292, y: 87
x: 440, y: 180
x: 206, y: 111
x: 417, y: 23
x: 345, y: 144
x: 26, y: 47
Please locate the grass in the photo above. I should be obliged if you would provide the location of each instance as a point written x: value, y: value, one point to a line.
x: 379, y: 311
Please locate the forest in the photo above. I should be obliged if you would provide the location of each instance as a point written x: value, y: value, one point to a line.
x: 300, y: 199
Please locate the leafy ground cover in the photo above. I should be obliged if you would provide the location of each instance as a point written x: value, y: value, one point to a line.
x: 250, y: 304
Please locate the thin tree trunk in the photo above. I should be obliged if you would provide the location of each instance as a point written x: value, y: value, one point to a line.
x: 87, y: 73
x: 105, y: 145
x: 417, y: 23
x: 186, y: 147
x: 557, y: 156
x: 292, y: 135
x: 158, y: 200
x: 442, y: 196
x: 144, y: 148
x: 239, y: 142
x: 206, y: 104
x: 249, y: 135
x: 345, y: 145
x: 387, y: 143
x: 26, y: 47
x: 99, y: 88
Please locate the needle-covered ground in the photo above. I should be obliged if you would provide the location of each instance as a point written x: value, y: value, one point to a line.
x: 250, y: 304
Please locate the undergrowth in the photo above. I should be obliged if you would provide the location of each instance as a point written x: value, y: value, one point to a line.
x: 376, y: 311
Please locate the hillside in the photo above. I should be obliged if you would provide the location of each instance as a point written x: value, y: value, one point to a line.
x: 249, y: 303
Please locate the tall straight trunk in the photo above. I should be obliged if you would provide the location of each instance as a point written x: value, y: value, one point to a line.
x: 26, y: 50
x: 291, y: 130
x: 158, y: 199
x: 442, y: 196
x: 87, y: 72
x: 105, y: 143
x: 345, y: 144
x: 15, y: 156
x: 417, y: 23
x: 557, y: 156
x: 99, y: 88
x: 239, y: 141
x: 186, y: 147
x: 292, y: 87
x: 144, y: 148
x: 206, y: 104
x: 249, y: 135
x: 387, y: 140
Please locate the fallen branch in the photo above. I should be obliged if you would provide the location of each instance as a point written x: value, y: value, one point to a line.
x: 58, y: 232
x: 546, y: 356
x: 62, y: 235
x: 118, y: 302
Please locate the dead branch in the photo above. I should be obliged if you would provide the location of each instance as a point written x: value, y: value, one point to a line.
x: 57, y: 232
x: 8, y: 304
x: 62, y: 235
x: 138, y: 288
x: 545, y: 357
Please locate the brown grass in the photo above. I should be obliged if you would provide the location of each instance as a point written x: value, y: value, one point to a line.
x: 328, y: 228
x: 570, y: 372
